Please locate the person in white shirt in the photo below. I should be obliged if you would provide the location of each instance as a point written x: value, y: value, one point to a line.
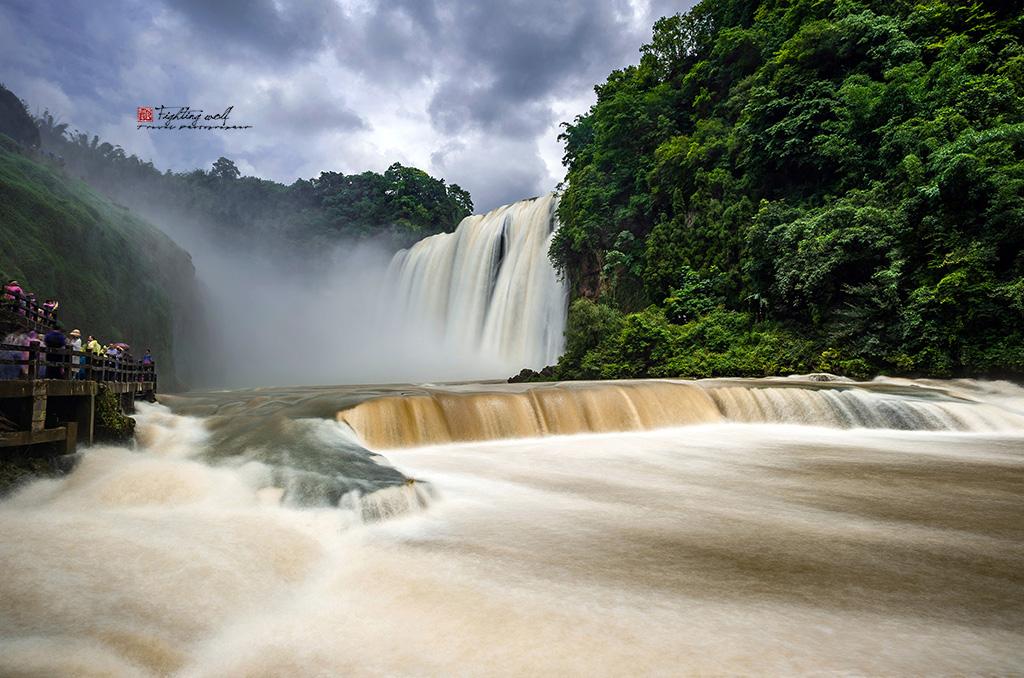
x: 76, y: 345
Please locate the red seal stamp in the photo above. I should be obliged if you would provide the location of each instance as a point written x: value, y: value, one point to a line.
x: 145, y: 113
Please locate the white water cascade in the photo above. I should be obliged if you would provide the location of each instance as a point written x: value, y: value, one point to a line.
x: 487, y: 292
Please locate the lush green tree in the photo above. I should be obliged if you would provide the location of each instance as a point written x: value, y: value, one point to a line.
x: 587, y: 325
x: 225, y: 170
x: 696, y: 296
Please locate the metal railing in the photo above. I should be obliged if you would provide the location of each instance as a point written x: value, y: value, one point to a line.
x: 26, y: 309
x: 37, y: 361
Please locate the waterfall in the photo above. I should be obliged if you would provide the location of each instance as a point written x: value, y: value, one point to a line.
x: 564, y: 409
x: 487, y: 291
x: 503, y: 411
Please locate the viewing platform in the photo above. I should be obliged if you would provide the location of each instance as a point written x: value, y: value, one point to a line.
x: 60, y: 411
x: 48, y: 395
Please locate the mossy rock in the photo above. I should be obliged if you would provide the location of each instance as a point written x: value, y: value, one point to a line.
x: 111, y: 425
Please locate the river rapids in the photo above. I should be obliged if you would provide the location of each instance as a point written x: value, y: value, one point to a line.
x: 721, y: 527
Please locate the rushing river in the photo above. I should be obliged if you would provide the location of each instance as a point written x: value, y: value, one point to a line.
x: 785, y: 527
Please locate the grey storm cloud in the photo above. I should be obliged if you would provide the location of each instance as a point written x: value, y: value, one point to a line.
x: 503, y: 170
x: 468, y: 90
x: 494, y: 61
x: 398, y: 41
x: 276, y: 30
x: 314, y: 108
x: 517, y: 53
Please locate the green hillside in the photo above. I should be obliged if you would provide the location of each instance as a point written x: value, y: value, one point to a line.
x: 803, y: 185
x: 116, y: 276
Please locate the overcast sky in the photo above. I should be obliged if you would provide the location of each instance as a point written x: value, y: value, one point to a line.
x: 472, y: 91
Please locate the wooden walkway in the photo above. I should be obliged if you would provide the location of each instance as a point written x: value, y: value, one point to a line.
x: 62, y: 412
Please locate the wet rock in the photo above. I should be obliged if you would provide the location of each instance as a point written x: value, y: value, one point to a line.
x: 820, y: 376
x: 528, y: 375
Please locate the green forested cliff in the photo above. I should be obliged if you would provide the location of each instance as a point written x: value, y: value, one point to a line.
x: 116, y: 276
x: 398, y: 207
x: 802, y: 185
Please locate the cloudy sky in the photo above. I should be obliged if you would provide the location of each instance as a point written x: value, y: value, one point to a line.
x: 470, y: 91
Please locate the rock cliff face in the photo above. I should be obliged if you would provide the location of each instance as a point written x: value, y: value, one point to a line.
x: 116, y: 276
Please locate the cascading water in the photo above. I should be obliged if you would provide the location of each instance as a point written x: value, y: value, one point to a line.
x: 528, y: 411
x: 488, y: 290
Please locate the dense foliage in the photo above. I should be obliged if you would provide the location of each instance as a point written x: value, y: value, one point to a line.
x: 803, y: 184
x: 401, y: 205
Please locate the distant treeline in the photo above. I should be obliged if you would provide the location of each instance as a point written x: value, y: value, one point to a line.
x: 802, y: 185
x: 401, y: 205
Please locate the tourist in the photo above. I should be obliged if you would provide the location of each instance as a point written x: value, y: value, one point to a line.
x: 148, y: 365
x: 13, y: 291
x: 113, y: 357
x: 33, y: 338
x: 76, y: 345
x: 50, y: 309
x: 124, y: 360
x: 15, y: 295
x: 93, y: 346
x: 12, y: 371
x: 55, y: 339
x: 95, y: 351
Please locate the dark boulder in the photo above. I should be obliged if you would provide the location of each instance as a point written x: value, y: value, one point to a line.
x: 528, y: 375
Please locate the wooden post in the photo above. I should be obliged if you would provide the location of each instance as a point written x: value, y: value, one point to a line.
x: 85, y: 414
x: 38, y: 411
x: 33, y: 360
x: 71, y: 441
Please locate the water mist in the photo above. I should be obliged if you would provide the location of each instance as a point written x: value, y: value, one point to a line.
x: 482, y: 302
